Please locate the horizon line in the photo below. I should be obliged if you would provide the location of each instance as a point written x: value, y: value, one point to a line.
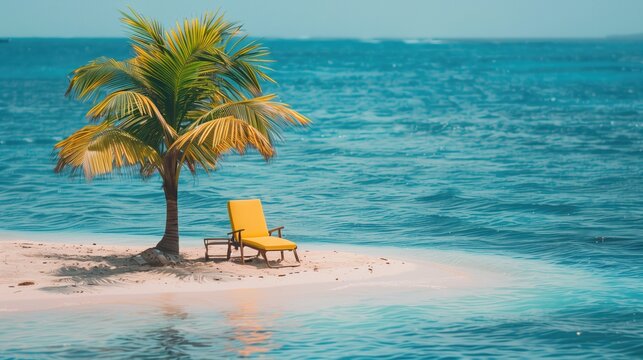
x: 634, y: 36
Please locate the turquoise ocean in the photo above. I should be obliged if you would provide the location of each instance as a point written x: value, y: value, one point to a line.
x: 525, y: 156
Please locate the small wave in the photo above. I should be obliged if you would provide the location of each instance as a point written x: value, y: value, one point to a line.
x: 28, y: 141
x: 423, y: 41
x: 448, y: 194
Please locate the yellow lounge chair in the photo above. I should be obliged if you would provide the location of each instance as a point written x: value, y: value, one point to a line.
x: 249, y: 229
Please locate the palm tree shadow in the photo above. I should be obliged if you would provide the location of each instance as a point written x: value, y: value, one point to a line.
x: 110, y: 270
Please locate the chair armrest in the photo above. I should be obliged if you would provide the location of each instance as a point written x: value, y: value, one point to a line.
x: 276, y: 229
x: 236, y: 231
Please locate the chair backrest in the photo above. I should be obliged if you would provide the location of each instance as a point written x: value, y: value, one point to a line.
x: 247, y: 215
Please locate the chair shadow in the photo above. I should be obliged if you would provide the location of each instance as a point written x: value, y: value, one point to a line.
x: 255, y: 260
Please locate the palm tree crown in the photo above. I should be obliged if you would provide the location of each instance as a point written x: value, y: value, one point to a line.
x: 188, y: 95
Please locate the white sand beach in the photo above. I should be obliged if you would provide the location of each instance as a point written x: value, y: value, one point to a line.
x: 38, y: 275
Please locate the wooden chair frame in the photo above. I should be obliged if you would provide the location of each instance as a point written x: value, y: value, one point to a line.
x: 216, y: 241
x: 237, y: 241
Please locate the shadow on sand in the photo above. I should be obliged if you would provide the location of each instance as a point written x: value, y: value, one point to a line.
x: 113, y: 270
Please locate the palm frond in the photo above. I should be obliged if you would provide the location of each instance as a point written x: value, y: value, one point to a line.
x: 101, y: 76
x: 121, y: 104
x: 195, y: 35
x: 98, y: 149
x: 240, y: 65
x: 146, y: 32
x: 206, y: 142
x: 262, y: 113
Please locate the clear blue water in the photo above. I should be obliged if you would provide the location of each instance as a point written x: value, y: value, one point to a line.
x: 526, y: 150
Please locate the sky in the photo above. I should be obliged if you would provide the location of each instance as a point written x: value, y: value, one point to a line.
x: 338, y: 18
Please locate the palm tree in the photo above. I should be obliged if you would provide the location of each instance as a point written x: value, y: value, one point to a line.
x: 188, y: 95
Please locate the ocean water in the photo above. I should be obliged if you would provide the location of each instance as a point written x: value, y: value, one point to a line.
x: 524, y: 150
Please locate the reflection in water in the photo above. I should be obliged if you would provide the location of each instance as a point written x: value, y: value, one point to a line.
x: 171, y: 309
x: 173, y: 342
x: 249, y: 325
x: 171, y: 339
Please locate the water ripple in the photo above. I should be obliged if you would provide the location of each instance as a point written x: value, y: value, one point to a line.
x: 531, y: 149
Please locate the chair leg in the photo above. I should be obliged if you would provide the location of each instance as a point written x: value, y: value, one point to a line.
x: 242, y: 258
x: 263, y: 253
x: 296, y: 257
x: 282, y: 255
x: 229, y: 250
x: 206, y: 253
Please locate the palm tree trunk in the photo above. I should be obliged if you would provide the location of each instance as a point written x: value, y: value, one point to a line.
x: 170, y: 241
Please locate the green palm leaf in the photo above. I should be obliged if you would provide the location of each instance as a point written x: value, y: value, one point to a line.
x: 122, y: 104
